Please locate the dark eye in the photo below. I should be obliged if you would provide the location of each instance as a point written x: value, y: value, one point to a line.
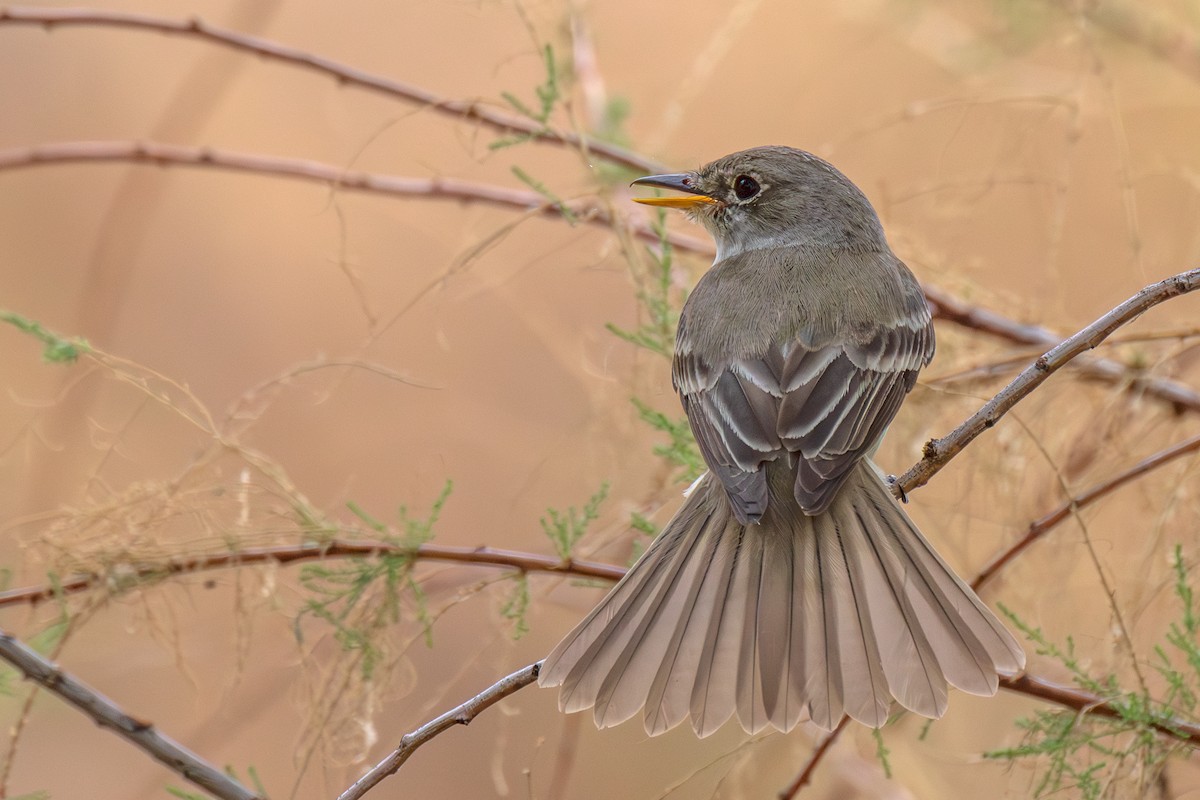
x: 745, y: 187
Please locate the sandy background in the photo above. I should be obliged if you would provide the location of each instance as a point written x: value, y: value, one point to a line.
x: 1021, y: 155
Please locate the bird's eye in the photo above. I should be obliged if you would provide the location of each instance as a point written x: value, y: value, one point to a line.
x: 745, y: 187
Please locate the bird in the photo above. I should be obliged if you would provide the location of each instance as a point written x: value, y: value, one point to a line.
x: 790, y: 585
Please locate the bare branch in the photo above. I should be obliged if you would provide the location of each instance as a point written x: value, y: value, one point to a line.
x: 196, y: 28
x: 1027, y: 684
x: 938, y: 452
x: 1088, y: 703
x: 804, y: 777
x: 945, y: 306
x: 951, y: 309
x: 1040, y: 527
x: 107, y: 714
x: 459, y: 715
x: 338, y: 548
x: 173, y: 155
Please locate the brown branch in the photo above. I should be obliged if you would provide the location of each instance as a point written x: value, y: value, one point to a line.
x: 338, y: 548
x: 951, y: 309
x: 172, y: 155
x: 938, y: 452
x: 196, y: 28
x: 1027, y: 684
x: 139, y: 733
x: 945, y: 306
x: 530, y: 562
x: 1040, y: 527
x: 1088, y: 703
x: 804, y: 777
x: 460, y: 715
x: 1122, y: 19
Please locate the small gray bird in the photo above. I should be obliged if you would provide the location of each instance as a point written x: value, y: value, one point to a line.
x: 790, y: 584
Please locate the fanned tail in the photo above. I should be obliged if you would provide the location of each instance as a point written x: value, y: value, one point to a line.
x: 795, y: 617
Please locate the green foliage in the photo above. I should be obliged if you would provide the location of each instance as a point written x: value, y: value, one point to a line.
x: 681, y: 451
x: 516, y: 607
x: 565, y: 529
x: 641, y: 524
x: 542, y: 189
x: 1182, y: 637
x: 183, y: 794
x: 41, y: 794
x: 548, y: 94
x: 360, y: 598
x: 656, y: 333
x: 57, y: 349
x: 255, y: 783
x: 315, y: 529
x: 882, y: 753
x: 659, y: 305
x: 1097, y: 755
x: 612, y: 125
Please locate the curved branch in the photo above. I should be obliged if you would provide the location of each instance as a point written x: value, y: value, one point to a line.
x: 804, y: 777
x: 139, y: 733
x: 459, y: 715
x: 338, y: 548
x: 938, y: 452
x: 196, y: 28
x: 1088, y: 703
x: 951, y: 309
x: 1040, y: 527
x: 161, y: 154
x: 945, y: 306
x: 1030, y: 685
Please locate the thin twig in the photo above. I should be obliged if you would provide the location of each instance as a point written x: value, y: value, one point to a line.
x: 1042, y: 526
x: 952, y: 309
x: 938, y: 452
x: 1088, y: 703
x: 945, y: 306
x: 470, y: 110
x: 459, y: 715
x: 1026, y: 684
x: 141, y: 734
x: 290, y: 554
x: 803, y: 778
x: 173, y: 155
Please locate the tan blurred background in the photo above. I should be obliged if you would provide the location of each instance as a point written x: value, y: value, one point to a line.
x: 1024, y: 155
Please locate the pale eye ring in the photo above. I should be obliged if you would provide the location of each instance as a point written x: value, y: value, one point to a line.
x: 745, y: 187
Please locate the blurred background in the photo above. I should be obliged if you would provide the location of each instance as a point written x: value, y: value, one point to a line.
x: 274, y: 349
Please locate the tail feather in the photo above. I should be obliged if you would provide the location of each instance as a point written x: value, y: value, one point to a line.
x: 585, y: 658
x: 714, y: 687
x: 751, y: 705
x: 909, y: 661
x: 834, y: 614
x: 668, y: 698
x: 775, y: 625
x: 866, y: 691
x: 624, y: 691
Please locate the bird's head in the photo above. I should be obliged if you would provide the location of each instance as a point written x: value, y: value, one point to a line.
x: 772, y: 197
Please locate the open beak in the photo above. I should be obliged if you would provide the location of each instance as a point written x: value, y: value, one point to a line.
x: 680, y: 182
